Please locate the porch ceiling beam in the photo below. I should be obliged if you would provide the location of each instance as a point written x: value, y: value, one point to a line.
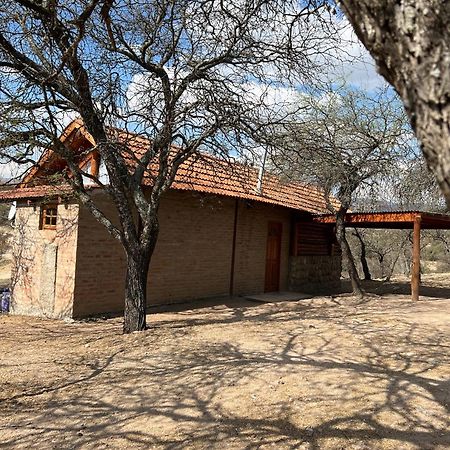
x: 392, y: 220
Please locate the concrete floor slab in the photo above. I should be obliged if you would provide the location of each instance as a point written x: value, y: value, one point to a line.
x: 276, y: 297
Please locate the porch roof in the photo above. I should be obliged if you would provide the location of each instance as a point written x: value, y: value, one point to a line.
x: 390, y: 219
x: 415, y: 220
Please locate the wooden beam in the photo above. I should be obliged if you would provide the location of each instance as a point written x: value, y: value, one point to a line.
x: 415, y: 272
x: 362, y: 219
x: 95, y: 164
x: 393, y: 220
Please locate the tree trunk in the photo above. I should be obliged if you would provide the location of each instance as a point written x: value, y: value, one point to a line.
x: 381, y: 262
x: 391, y: 271
x: 410, y: 42
x: 136, y: 293
x: 392, y: 268
x: 365, y: 266
x: 347, y: 253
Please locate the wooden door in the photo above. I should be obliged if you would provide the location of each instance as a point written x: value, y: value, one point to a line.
x: 273, y: 257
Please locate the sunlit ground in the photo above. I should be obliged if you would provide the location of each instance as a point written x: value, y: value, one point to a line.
x: 329, y: 372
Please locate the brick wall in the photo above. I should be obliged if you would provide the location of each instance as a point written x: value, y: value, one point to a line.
x: 44, y: 262
x: 79, y: 269
x: 100, y: 263
x: 251, y: 243
x: 192, y: 258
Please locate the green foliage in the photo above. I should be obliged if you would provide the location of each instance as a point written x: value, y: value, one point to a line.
x: 389, y: 251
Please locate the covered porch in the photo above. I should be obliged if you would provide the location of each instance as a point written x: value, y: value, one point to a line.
x: 409, y: 220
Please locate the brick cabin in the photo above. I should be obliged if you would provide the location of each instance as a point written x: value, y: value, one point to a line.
x: 222, y: 231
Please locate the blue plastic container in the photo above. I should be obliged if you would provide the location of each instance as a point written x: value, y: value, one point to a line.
x: 5, y: 300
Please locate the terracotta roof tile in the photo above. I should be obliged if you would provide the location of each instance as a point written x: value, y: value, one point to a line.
x: 33, y: 192
x: 205, y: 173
x: 236, y: 180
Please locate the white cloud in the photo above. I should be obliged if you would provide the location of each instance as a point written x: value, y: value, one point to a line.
x: 12, y: 172
x: 357, y: 67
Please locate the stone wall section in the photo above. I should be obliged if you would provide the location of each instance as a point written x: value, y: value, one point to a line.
x: 314, y: 274
x: 43, y: 269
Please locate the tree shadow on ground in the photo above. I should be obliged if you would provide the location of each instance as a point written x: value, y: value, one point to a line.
x: 379, y: 287
x: 325, y: 380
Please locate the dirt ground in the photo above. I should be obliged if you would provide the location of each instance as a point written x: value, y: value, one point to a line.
x: 324, y: 373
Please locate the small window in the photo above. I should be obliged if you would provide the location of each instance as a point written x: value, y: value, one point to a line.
x: 49, y: 214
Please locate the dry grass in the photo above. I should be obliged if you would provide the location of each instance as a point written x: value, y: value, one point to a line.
x: 330, y: 373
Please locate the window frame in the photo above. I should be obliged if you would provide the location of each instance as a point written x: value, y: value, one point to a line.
x: 44, y: 215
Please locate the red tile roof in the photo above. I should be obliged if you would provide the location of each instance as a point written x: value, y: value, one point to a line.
x: 236, y: 180
x: 205, y: 173
x: 41, y: 191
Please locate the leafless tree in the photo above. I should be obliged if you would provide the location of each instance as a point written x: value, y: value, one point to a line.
x: 345, y: 141
x: 362, y: 254
x: 382, y: 249
x: 187, y: 74
x: 410, y: 186
x: 414, y: 187
x: 443, y: 236
x: 410, y: 42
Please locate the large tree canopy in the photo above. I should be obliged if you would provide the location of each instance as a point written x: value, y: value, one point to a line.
x: 194, y: 73
x: 410, y: 42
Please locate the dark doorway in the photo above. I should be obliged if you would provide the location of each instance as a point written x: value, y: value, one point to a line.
x: 273, y: 257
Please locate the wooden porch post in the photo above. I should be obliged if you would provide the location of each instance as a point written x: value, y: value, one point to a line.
x: 415, y: 272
